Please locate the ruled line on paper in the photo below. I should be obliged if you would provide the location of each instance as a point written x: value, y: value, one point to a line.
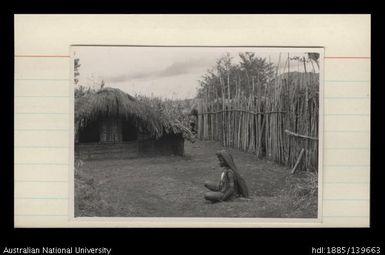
x: 345, y: 216
x: 54, y: 113
x: 346, y: 199
x: 42, y: 198
x: 41, y: 56
x: 343, y: 81
x: 42, y: 79
x: 342, y: 182
x: 41, y: 215
x: 346, y: 114
x: 61, y: 96
x: 354, y: 98
x: 346, y: 183
x: 345, y: 148
x: 41, y: 147
x: 41, y: 181
x: 42, y: 163
x: 52, y: 129
x: 347, y: 131
x: 346, y: 57
x: 346, y: 165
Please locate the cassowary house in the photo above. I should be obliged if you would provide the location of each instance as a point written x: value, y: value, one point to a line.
x: 112, y: 124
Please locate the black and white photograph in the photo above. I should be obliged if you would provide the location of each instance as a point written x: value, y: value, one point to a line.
x: 237, y: 126
x: 224, y: 132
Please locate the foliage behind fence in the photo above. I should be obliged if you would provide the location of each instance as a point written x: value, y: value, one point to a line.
x: 276, y: 119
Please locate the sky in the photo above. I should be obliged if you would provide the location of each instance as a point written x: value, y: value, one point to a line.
x: 166, y: 72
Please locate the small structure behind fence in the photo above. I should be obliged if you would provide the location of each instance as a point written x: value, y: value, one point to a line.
x: 278, y: 120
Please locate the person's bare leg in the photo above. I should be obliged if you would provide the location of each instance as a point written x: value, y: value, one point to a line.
x: 214, y: 196
x: 211, y: 185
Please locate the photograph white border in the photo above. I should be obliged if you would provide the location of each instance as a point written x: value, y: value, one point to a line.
x: 201, y: 222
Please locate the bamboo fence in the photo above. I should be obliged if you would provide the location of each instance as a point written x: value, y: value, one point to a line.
x: 276, y: 121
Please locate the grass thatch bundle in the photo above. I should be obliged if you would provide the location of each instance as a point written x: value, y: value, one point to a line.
x: 172, y: 114
x: 112, y: 102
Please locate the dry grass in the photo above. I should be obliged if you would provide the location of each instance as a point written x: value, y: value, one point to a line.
x: 88, y: 200
x: 302, y: 192
x: 172, y: 186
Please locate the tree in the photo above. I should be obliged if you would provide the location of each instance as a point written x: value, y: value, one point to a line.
x: 80, y: 90
x: 313, y: 56
x: 232, y: 79
x: 256, y: 70
x: 76, y: 71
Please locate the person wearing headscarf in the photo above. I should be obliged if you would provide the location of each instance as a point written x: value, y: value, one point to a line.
x: 231, y: 184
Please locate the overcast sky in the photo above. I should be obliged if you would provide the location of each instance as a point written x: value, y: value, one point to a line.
x: 167, y: 72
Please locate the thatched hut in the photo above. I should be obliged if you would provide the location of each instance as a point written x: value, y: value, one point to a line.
x: 112, y: 124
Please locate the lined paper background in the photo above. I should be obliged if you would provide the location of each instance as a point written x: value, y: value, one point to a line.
x: 43, y: 91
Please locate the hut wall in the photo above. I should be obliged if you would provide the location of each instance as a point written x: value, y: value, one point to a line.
x: 143, y: 147
x: 97, y: 151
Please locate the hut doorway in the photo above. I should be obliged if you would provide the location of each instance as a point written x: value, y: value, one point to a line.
x: 130, y: 132
x: 90, y: 134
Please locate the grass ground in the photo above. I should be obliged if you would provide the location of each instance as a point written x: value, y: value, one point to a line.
x: 172, y: 186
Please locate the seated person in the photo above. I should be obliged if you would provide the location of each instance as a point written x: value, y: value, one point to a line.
x: 231, y: 183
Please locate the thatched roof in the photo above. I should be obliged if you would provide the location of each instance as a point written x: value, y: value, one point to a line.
x: 112, y: 102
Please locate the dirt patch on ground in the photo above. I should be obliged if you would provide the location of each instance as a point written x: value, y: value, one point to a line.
x: 172, y: 186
